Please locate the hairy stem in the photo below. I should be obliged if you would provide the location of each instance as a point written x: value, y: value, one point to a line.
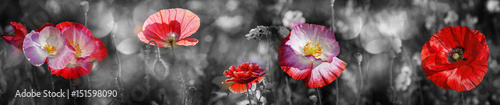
x: 289, y: 96
x: 338, y: 91
x: 118, y: 80
x: 361, y: 85
x: 319, y: 96
x: 248, y: 94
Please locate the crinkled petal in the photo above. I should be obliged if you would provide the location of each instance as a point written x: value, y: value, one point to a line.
x: 295, y: 65
x: 239, y: 88
x: 187, y: 42
x: 303, y: 33
x: 77, y: 34
x: 73, y: 72
x: 62, y: 58
x: 33, y: 49
x: 53, y: 36
x: 325, y: 73
x: 19, y: 29
x: 79, y: 27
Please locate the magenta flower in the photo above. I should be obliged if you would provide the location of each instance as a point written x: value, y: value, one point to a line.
x: 49, y: 44
x: 310, y: 53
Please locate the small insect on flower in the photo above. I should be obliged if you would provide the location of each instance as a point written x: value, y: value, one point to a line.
x: 243, y: 75
x: 170, y: 27
x: 310, y: 53
x: 49, y: 44
x: 87, y: 50
x: 455, y: 58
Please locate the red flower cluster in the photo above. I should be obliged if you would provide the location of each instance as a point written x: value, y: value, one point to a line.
x: 245, y: 74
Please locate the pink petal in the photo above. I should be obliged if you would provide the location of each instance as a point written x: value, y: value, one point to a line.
x: 303, y: 33
x: 146, y: 36
x: 83, y: 68
x: 325, y: 73
x: 62, y: 58
x: 79, y: 36
x: 296, y: 65
x: 53, y: 36
x: 187, y: 42
x: 189, y: 22
x: 33, y: 49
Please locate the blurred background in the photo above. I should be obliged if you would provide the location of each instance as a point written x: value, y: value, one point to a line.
x: 385, y: 35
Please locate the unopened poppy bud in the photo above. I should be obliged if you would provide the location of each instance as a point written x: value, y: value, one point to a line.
x: 359, y: 57
x: 313, y: 98
x: 85, y: 6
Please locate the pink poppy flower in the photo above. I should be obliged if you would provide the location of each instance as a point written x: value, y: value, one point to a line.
x: 49, y: 44
x: 170, y: 27
x: 310, y: 53
x: 87, y: 49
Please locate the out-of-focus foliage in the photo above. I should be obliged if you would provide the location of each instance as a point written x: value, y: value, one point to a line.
x: 389, y: 34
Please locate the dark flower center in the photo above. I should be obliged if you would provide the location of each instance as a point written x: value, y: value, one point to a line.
x: 456, y: 55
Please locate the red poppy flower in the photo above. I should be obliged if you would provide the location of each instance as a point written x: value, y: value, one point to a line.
x: 17, y: 39
x: 170, y: 27
x: 87, y: 49
x: 246, y: 73
x: 455, y: 58
x: 20, y: 31
x: 310, y: 53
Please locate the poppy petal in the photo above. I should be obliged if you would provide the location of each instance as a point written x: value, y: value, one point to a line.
x: 73, y: 72
x: 325, y: 73
x: 19, y: 29
x: 189, y: 22
x: 77, y: 26
x: 43, y: 26
x: 187, y: 42
x: 63, y: 57
x: 239, y: 88
x: 295, y: 65
x: 33, y: 49
x: 14, y: 40
x: 146, y: 36
x: 304, y: 33
x: 100, y: 51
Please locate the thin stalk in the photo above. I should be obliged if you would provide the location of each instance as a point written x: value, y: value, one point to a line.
x: 248, y: 94
x: 118, y: 80
x: 393, y: 97
x: 361, y: 85
x: 288, y: 97
x: 52, y: 84
x: 333, y: 15
x: 463, y: 99
x: 319, y: 96
x: 338, y: 91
